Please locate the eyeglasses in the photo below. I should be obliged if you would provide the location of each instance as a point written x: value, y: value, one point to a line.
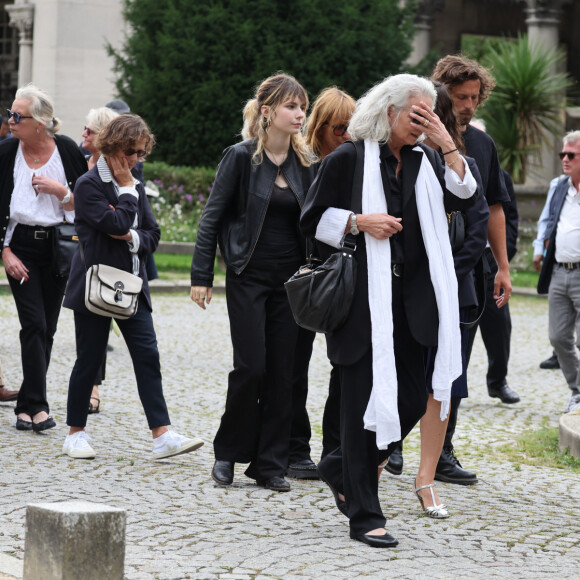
x: 17, y: 116
x: 88, y: 131
x: 139, y: 152
x: 570, y: 155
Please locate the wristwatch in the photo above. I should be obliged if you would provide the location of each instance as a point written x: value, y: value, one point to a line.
x: 66, y: 198
x: 353, y: 227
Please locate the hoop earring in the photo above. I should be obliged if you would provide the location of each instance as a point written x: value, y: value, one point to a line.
x: 267, y: 123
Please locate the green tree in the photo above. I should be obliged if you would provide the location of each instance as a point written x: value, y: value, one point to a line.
x: 188, y: 66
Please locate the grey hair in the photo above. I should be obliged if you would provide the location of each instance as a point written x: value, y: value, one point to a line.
x: 572, y: 137
x: 99, y: 118
x: 371, y: 116
x: 41, y: 107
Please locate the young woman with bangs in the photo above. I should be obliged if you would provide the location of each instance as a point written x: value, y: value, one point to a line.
x: 253, y: 213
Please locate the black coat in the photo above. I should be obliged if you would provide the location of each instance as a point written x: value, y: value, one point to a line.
x: 332, y: 188
x: 554, y: 216
x: 94, y: 220
x: 237, y: 205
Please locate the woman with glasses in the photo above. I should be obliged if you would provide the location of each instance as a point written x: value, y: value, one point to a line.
x: 253, y: 212
x: 326, y: 129
x: 406, y: 291
x: 38, y: 171
x: 116, y: 227
x: 97, y: 119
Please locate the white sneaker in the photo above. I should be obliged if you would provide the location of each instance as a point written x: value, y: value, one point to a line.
x: 172, y: 443
x: 77, y: 446
x: 573, y: 403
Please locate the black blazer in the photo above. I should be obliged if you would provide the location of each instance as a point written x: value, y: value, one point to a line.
x: 554, y: 216
x: 332, y: 188
x: 94, y: 220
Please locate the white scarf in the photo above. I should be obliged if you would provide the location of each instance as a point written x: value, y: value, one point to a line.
x: 382, y: 414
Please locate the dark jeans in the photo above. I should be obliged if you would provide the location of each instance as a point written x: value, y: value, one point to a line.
x: 352, y: 468
x: 256, y: 423
x: 92, y: 333
x: 38, y: 302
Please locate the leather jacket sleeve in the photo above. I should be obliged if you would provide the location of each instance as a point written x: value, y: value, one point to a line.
x: 220, y: 202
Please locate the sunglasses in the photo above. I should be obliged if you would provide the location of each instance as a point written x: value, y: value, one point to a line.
x: 339, y: 130
x: 564, y: 153
x: 17, y: 116
x: 139, y: 152
x: 88, y: 131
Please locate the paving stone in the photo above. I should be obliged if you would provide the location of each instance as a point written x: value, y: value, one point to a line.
x: 517, y: 522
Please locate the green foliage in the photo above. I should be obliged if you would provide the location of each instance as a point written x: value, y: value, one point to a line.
x: 527, y: 104
x: 183, y: 192
x: 188, y: 66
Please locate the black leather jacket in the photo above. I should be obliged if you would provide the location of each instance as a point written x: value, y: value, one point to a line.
x: 237, y: 205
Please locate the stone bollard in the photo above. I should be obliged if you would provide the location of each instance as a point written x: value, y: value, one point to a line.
x: 74, y: 539
x: 570, y: 433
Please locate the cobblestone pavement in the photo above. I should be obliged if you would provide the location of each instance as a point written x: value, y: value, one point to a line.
x: 518, y: 522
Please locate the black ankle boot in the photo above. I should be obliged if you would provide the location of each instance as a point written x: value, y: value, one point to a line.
x: 449, y: 469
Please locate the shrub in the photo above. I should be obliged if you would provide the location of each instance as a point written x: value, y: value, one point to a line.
x: 183, y: 192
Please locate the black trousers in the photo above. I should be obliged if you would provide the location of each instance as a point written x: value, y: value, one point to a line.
x: 256, y: 423
x: 352, y: 468
x: 92, y: 334
x: 38, y: 302
x: 331, y: 416
x: 301, y: 432
x: 496, y: 330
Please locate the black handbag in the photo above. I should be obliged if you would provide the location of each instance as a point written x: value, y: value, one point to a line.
x: 65, y: 243
x: 320, y: 295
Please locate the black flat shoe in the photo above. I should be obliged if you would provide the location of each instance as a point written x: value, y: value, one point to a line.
x: 449, y: 469
x: 305, y: 469
x: 48, y: 423
x: 340, y: 504
x: 223, y: 472
x: 275, y: 483
x: 23, y: 425
x: 384, y: 541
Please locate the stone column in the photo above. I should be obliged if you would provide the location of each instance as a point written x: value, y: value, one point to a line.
x: 422, y: 38
x: 22, y: 17
x: 543, y: 21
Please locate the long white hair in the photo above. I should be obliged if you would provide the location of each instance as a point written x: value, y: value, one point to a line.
x: 371, y: 116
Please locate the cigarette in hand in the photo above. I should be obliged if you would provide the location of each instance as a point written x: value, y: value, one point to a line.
x: 23, y: 280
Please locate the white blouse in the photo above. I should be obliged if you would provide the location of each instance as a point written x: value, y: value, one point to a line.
x: 36, y: 210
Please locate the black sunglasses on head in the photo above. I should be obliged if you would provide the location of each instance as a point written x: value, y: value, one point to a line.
x: 17, y: 116
x: 564, y: 153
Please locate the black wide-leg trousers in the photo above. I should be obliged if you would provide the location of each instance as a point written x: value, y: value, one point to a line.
x: 352, y: 468
x: 255, y: 426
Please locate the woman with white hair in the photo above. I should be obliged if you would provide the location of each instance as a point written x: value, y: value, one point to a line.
x: 97, y: 120
x: 406, y: 289
x: 38, y: 171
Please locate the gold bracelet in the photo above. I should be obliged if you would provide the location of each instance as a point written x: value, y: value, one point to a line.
x: 457, y: 157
